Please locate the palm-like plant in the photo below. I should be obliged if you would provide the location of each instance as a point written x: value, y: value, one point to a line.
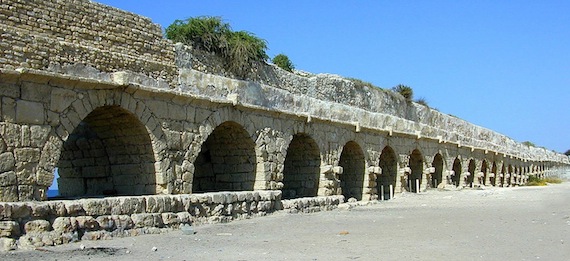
x: 405, y: 91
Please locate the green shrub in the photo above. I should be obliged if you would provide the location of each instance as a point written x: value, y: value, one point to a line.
x: 205, y: 32
x: 283, y: 62
x: 405, y: 91
x: 244, y: 48
x: 528, y: 144
x: 422, y: 101
x: 239, y: 49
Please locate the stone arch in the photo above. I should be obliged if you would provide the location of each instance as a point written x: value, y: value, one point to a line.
x: 109, y: 152
x: 226, y: 161
x: 416, y: 167
x: 471, y: 169
x: 456, y: 177
x: 388, y: 162
x: 484, y: 170
x: 353, y: 163
x: 301, y: 170
x: 437, y: 176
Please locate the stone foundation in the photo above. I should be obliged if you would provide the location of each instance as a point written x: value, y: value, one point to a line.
x: 37, y: 224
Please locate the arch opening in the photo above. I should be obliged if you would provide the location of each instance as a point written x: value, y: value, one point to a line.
x: 108, y: 153
x: 387, y: 180
x: 352, y: 178
x: 484, y: 169
x: 456, y: 177
x: 437, y: 164
x: 301, y: 169
x: 416, y: 166
x: 226, y: 161
x: 471, y: 170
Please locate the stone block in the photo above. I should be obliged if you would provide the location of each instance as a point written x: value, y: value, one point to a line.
x: 8, y: 179
x: 27, y: 154
x: 123, y: 221
x: 170, y: 219
x: 147, y: 220
x: 7, y: 162
x: 30, y: 112
x: 60, y: 99
x: 87, y: 223
x: 8, y: 109
x: 106, y: 222
x: 7, y: 244
x: 97, y: 207
x: 9, y: 229
x: 65, y: 224
x: 37, y: 226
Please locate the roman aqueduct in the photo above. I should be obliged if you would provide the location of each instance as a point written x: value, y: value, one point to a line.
x: 146, y: 133
x: 99, y: 94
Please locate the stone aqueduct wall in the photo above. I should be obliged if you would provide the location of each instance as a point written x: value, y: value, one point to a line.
x: 98, y: 94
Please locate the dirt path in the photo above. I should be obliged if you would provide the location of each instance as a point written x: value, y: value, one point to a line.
x: 526, y: 223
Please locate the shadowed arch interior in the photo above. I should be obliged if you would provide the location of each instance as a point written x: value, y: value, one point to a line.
x: 352, y: 178
x: 416, y: 165
x: 389, y: 165
x: 108, y: 153
x: 437, y: 164
x: 226, y: 161
x: 456, y: 178
x: 484, y: 169
x: 301, y: 169
x: 471, y: 169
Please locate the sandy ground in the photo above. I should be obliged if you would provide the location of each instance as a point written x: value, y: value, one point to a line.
x: 523, y: 223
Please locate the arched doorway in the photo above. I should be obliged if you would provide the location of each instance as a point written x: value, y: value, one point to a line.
x: 456, y: 178
x: 226, y: 161
x: 108, y: 153
x: 416, y: 166
x: 437, y: 176
x: 471, y: 170
x: 510, y: 174
x: 352, y: 178
x: 484, y: 167
x: 301, y: 170
x: 389, y: 165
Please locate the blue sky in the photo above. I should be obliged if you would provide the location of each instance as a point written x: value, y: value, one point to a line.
x: 503, y: 65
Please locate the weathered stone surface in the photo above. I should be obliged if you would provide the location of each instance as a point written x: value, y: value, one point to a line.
x: 37, y: 226
x: 30, y: 112
x: 147, y: 220
x: 7, y: 162
x: 8, y: 178
x: 65, y: 224
x: 7, y: 244
x: 9, y: 229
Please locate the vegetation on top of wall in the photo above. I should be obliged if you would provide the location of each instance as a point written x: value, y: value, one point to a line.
x: 283, y: 62
x: 362, y: 83
x: 405, y: 91
x: 239, y: 49
x: 528, y: 144
x: 422, y: 101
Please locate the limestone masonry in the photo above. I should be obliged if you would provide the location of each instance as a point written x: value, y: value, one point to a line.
x: 169, y: 137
